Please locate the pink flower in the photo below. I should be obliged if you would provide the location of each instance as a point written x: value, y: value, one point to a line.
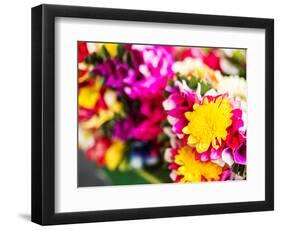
x: 236, y: 155
x: 154, y: 64
x: 150, y: 118
x: 226, y: 174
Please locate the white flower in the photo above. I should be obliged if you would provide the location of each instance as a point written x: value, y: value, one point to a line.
x: 168, y: 155
x: 187, y: 65
x: 85, y: 139
x: 236, y: 87
x: 228, y: 67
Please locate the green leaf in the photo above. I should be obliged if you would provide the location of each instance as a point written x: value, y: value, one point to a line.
x: 239, y: 169
x: 120, y: 51
x: 205, y: 87
x: 193, y: 82
x: 105, y: 52
x: 238, y: 56
x: 94, y: 59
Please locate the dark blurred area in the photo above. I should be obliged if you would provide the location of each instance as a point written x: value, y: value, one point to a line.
x: 88, y: 173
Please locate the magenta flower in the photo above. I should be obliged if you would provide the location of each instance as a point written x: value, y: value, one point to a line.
x: 210, y: 154
x: 226, y: 174
x: 146, y: 131
x: 155, y: 67
x: 145, y: 77
x: 176, y: 105
x: 150, y: 118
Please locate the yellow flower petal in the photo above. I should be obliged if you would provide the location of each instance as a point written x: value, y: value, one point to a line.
x: 98, y: 119
x: 186, y: 130
x: 195, y: 106
x: 206, y: 101
x: 114, y: 154
x: 187, y: 115
x: 202, y: 147
x: 192, y: 140
x: 214, y: 144
x: 89, y: 95
x: 193, y: 170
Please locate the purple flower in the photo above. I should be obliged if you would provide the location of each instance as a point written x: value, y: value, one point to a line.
x: 239, y: 154
x: 236, y: 155
x: 122, y: 129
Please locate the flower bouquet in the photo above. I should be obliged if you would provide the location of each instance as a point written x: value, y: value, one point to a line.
x: 160, y: 114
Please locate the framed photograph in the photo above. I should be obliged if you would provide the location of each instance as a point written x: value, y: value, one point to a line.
x: 142, y: 114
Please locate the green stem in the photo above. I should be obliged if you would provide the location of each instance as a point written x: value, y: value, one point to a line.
x: 148, y: 176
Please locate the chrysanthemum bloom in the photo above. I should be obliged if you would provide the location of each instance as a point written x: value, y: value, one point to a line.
x: 208, y: 123
x: 192, y: 170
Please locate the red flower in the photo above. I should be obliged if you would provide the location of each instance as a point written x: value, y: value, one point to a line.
x: 212, y: 60
x: 82, y: 51
x: 97, y: 151
x: 193, y: 53
x: 235, y: 137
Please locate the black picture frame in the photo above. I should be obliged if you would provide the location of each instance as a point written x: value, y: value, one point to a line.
x: 43, y: 113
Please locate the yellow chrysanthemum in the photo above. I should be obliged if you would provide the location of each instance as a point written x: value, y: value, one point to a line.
x: 114, y: 154
x: 89, y: 95
x: 208, y: 123
x: 193, y: 170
